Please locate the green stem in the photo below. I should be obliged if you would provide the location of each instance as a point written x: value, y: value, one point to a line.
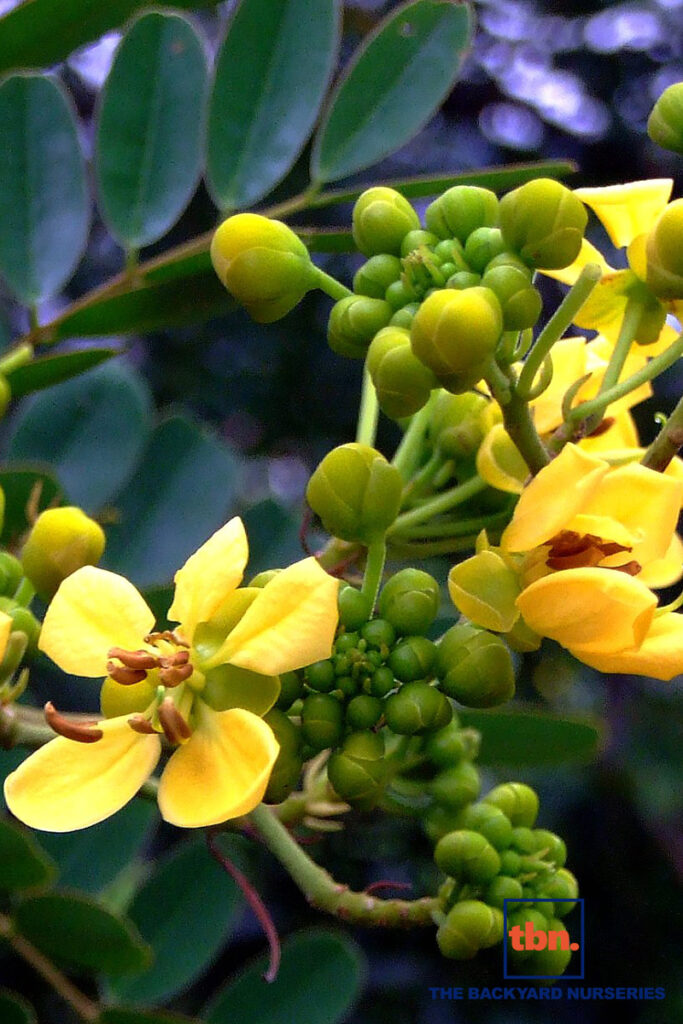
x: 368, y: 413
x: 374, y: 567
x: 441, y: 503
x: 323, y: 892
x: 298, y: 202
x: 25, y: 592
x: 409, y: 451
x: 451, y: 528
x: 558, y: 324
x: 20, y: 355
x: 422, y: 478
x: 517, y: 418
x: 627, y: 332
x: 667, y: 443
x: 428, y: 548
x: 331, y: 286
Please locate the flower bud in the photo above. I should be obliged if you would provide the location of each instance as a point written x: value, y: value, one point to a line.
x: 544, y: 222
x: 382, y: 218
x: 320, y: 676
x: 490, y: 822
x: 502, y: 888
x: 400, y: 294
x: 23, y: 621
x: 549, y: 963
x: 357, y: 770
x: 454, y: 333
x: 412, y: 658
x: 462, y: 280
x: 523, y: 839
x: 417, y: 708
x: 482, y: 246
x: 402, y: 382
x: 665, y: 123
x: 379, y: 634
x: 562, y: 885
x: 475, y: 667
x: 404, y: 316
x: 355, y: 608
x: 467, y: 855
x: 517, y: 801
x: 363, y: 711
x: 520, y: 301
x: 410, y: 601
x: 451, y: 252
x: 437, y: 821
x: 322, y: 720
x: 353, y: 323
x: 61, y: 541
x: 287, y: 768
x: 519, y: 918
x: 375, y: 276
x: 11, y: 572
x: 263, y: 264
x: 262, y: 578
x: 447, y: 748
x: 382, y: 682
x: 456, y: 424
x: 356, y: 493
x: 414, y: 239
x: 461, y: 210
x: 552, y: 846
x: 665, y: 253
x: 469, y: 927
x: 457, y: 786
x: 291, y: 688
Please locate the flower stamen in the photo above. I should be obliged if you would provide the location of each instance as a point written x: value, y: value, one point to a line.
x: 176, y: 729
x: 139, y: 723
x: 82, y: 732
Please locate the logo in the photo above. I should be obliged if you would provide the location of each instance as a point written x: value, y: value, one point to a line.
x: 528, y: 938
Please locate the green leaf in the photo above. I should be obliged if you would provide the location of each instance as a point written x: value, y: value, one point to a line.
x: 394, y: 84
x: 44, y: 206
x: 271, y: 76
x: 120, y: 1015
x: 185, y: 911
x: 523, y: 736
x: 24, y: 863
x: 44, y: 32
x: 15, y: 1010
x: 182, y: 492
x: 91, y: 430
x: 90, y: 859
x: 73, y: 929
x: 24, y: 486
x: 50, y: 370
x: 150, y: 128
x: 318, y: 982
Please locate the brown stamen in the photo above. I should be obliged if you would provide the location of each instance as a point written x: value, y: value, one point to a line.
x: 175, y: 674
x: 134, y: 659
x: 125, y: 676
x: 168, y: 634
x: 630, y: 568
x: 176, y: 729
x: 82, y: 732
x: 139, y: 723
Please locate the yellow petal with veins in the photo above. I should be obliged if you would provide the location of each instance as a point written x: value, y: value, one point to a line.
x: 290, y: 624
x: 221, y: 772
x: 553, y: 498
x: 5, y: 630
x: 209, y: 576
x: 92, y: 611
x: 665, y: 571
x: 67, y: 785
x: 627, y: 210
x: 660, y: 655
x: 600, y: 610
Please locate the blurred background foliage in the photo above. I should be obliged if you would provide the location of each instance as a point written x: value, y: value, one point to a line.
x: 214, y: 416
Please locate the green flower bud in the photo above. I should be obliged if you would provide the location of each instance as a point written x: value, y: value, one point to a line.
x: 379, y: 633
x: 544, y: 222
x: 510, y: 863
x: 364, y: 711
x: 375, y: 276
x: 410, y: 601
x: 502, y: 888
x: 475, y: 667
x: 322, y: 720
x: 517, y: 801
x: 262, y: 578
x: 263, y: 264
x: 454, y: 333
x: 404, y: 316
x: 462, y: 280
x: 402, y: 382
x: 23, y: 621
x: 287, y: 768
x: 510, y: 259
x: 461, y: 210
x: 346, y: 642
x: 550, y: 963
x: 414, y: 239
x: 468, y: 856
x: 417, y: 708
x: 353, y: 323
x: 291, y: 688
x: 520, y: 301
x: 382, y: 682
x: 519, y: 918
x: 447, y: 748
x: 356, y: 493
x: 482, y: 246
x: 438, y: 821
x: 357, y: 770
x: 61, y: 541
x: 490, y: 822
x: 11, y: 572
x: 523, y: 839
x: 553, y: 847
x: 354, y: 607
x: 457, y: 786
x: 400, y: 294
x: 320, y: 676
x: 469, y: 926
x: 456, y: 424
x: 665, y: 253
x: 562, y: 885
x: 347, y: 686
x: 382, y: 218
x: 451, y: 251
x: 412, y: 658
x: 665, y: 123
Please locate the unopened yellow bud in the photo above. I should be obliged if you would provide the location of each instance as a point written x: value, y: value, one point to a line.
x: 665, y: 253
x: 455, y: 332
x: 61, y: 541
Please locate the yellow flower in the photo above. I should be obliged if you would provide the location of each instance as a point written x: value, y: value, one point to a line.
x: 585, y: 545
x: 629, y: 213
x: 190, y: 684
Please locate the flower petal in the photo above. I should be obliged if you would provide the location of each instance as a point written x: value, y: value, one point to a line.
x: 660, y: 655
x: 665, y: 571
x: 599, y: 610
x: 92, y: 611
x: 627, y: 210
x: 553, y: 498
x: 291, y: 623
x: 620, y: 435
x: 569, y: 365
x: 500, y: 463
x: 221, y: 772
x: 209, y: 576
x: 67, y: 785
x: 484, y: 589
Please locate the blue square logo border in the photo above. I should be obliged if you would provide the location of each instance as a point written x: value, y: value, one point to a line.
x: 544, y: 977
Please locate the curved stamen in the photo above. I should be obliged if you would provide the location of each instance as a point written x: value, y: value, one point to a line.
x: 176, y: 729
x: 82, y: 732
x: 174, y: 675
x: 134, y: 659
x: 125, y: 676
x: 139, y: 723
